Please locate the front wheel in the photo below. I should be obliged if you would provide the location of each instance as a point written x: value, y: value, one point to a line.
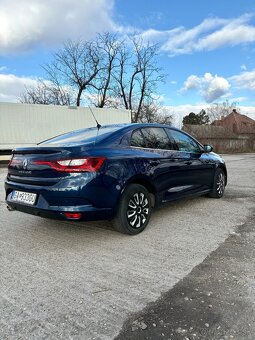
x: 219, y: 183
x: 134, y: 210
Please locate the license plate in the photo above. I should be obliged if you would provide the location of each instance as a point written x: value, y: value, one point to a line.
x: 23, y: 197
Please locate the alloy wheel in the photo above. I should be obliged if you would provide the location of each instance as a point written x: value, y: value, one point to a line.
x: 220, y: 184
x: 138, y: 210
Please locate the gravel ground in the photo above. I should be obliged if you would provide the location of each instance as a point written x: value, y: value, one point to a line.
x: 62, y: 280
x: 215, y: 301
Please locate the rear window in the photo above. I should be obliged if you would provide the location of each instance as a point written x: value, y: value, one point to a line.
x: 82, y: 136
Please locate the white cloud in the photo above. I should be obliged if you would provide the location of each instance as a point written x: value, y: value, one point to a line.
x: 214, y: 87
x: 157, y: 36
x: 243, y: 67
x: 235, y: 32
x: 210, y: 34
x: 245, y: 80
x: 28, y: 23
x: 210, y: 87
x: 238, y: 99
x: 192, y: 82
x: 181, y: 41
x: 248, y: 111
x: 11, y: 86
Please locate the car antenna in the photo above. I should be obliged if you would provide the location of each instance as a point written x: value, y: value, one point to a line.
x: 98, y: 125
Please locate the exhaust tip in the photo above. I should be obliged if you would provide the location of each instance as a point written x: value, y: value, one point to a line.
x: 9, y: 208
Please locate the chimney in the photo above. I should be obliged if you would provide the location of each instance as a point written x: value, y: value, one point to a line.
x: 234, y: 110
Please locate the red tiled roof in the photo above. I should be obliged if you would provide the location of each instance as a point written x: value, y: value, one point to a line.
x: 237, y: 123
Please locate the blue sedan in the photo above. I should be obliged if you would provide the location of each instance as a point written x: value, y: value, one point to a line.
x: 118, y: 172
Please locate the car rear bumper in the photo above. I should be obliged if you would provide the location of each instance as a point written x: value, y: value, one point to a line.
x: 88, y: 213
x: 51, y: 203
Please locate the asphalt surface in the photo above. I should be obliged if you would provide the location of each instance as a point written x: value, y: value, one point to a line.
x: 189, y: 275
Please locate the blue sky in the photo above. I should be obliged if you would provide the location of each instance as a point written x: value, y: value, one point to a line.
x: 207, y: 48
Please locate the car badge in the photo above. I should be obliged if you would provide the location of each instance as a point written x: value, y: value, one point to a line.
x: 25, y: 163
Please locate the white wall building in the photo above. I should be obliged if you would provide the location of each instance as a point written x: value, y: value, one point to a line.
x: 28, y: 124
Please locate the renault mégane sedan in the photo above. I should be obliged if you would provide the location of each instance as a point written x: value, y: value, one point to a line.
x: 118, y: 172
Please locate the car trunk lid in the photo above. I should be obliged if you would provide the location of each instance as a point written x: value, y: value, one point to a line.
x: 24, y: 167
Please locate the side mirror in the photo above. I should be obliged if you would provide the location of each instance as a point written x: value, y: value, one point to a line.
x: 208, y: 148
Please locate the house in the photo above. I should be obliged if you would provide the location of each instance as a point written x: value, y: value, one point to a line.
x: 233, y: 133
x: 236, y: 123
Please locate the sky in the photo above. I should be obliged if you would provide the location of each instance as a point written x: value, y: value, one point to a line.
x: 206, y: 48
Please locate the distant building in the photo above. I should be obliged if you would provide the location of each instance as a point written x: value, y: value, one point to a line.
x: 28, y: 124
x: 233, y: 133
x: 236, y: 123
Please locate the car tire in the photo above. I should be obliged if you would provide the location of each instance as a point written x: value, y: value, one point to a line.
x: 134, y: 210
x: 219, y: 183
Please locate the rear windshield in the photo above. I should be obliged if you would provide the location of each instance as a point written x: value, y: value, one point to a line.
x: 82, y: 136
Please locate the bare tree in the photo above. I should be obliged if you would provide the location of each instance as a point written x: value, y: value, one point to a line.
x: 137, y: 76
x: 75, y: 65
x: 219, y: 110
x: 121, y: 86
x: 46, y: 93
x: 106, y: 71
x: 154, y: 113
x: 109, y: 46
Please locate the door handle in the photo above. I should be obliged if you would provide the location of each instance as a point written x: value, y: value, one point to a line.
x: 188, y: 162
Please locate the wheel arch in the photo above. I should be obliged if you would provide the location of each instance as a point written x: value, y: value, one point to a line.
x: 145, y: 182
x: 135, y: 208
x: 223, y: 167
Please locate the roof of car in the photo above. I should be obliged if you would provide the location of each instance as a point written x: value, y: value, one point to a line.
x: 124, y: 128
x: 139, y: 125
x: 101, y: 137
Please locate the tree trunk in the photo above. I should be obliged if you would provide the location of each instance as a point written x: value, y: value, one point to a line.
x: 78, y: 101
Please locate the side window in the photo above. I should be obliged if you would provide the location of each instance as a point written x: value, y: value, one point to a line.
x: 173, y: 145
x: 156, y: 138
x: 184, y: 142
x: 137, y: 139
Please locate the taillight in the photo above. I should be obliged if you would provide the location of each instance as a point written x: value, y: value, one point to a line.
x: 89, y: 164
x: 10, y: 161
x: 14, y: 161
x: 73, y: 216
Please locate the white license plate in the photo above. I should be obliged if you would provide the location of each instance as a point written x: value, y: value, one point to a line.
x: 23, y: 197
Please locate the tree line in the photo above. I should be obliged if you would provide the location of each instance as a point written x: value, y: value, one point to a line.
x: 104, y: 72
x: 212, y: 113
x: 113, y: 73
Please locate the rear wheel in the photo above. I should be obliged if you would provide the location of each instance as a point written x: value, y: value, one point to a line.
x: 134, y: 210
x: 218, y: 184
